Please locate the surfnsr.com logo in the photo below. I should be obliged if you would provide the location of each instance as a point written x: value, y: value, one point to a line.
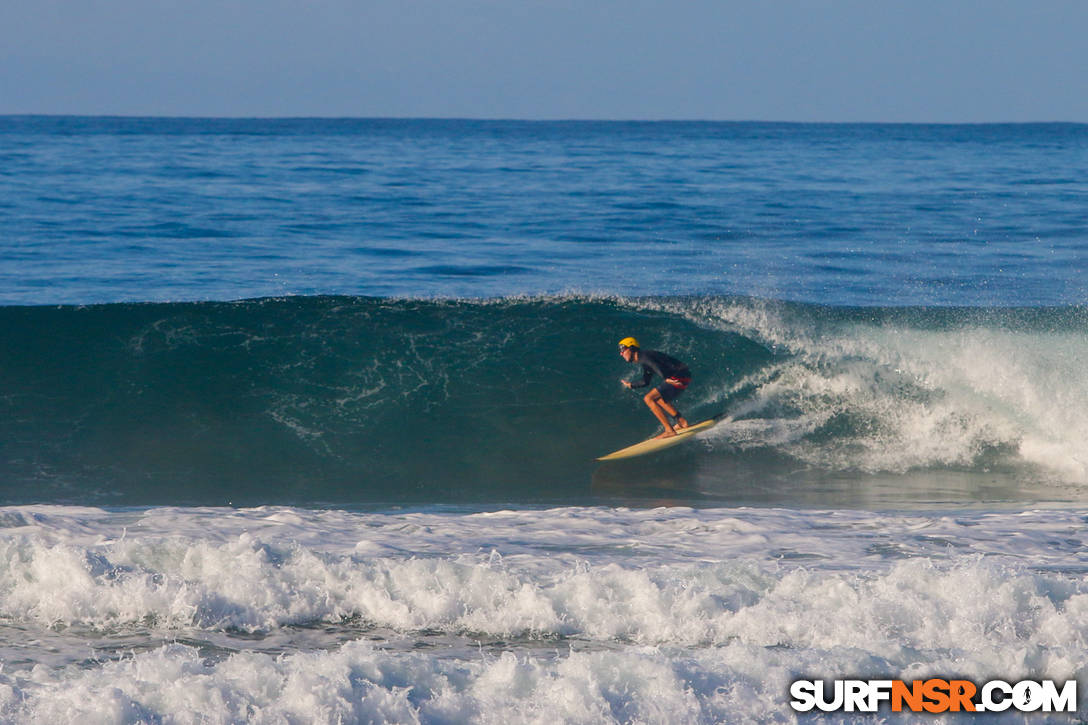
x: 933, y: 696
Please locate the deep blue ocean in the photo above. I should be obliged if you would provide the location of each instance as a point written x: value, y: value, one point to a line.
x: 99, y: 210
x: 299, y: 418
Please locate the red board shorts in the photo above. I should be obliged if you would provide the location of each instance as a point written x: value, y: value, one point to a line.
x: 672, y: 387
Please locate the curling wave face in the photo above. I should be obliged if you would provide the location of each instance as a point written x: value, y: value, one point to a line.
x: 344, y: 399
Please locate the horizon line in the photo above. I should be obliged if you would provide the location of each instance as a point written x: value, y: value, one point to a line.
x: 497, y: 119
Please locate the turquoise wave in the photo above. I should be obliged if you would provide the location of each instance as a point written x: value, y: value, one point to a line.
x: 340, y: 400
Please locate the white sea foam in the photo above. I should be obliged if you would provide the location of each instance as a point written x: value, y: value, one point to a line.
x: 902, y: 396
x: 358, y: 684
x: 664, y: 615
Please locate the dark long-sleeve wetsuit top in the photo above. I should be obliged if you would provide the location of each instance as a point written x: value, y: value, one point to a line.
x: 654, y: 362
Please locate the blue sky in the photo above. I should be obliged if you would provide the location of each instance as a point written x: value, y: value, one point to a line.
x: 833, y: 60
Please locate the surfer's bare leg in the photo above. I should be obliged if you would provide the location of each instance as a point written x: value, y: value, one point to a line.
x: 672, y: 411
x: 654, y: 401
x: 669, y: 408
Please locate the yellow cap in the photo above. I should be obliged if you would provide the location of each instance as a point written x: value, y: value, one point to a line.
x: 629, y: 342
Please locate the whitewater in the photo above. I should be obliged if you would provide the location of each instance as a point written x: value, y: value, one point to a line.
x: 570, y: 614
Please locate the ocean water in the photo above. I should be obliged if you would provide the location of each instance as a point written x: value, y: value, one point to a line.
x: 299, y: 418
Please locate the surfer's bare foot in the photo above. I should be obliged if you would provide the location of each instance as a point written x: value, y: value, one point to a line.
x: 680, y: 423
x: 666, y: 434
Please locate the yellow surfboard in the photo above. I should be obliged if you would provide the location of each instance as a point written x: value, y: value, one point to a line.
x: 656, y: 444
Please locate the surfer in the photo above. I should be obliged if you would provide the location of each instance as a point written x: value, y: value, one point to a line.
x: 675, y: 375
